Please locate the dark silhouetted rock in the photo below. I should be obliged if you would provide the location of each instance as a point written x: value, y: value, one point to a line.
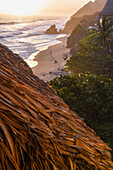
x: 52, y: 30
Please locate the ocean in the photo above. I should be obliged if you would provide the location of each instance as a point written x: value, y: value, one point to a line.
x: 26, y: 36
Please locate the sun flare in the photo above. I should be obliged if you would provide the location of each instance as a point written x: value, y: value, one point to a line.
x: 22, y: 7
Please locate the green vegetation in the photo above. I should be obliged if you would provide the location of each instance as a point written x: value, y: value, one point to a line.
x: 91, y: 97
x: 106, y: 32
x: 89, y: 91
x: 91, y: 57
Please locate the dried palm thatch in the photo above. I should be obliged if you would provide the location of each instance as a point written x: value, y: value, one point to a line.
x: 37, y: 129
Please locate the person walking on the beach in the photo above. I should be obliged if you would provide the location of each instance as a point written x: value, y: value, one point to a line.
x: 52, y: 57
x: 50, y: 53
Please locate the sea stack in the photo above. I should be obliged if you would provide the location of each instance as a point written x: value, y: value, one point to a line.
x: 52, y: 30
x: 38, y: 131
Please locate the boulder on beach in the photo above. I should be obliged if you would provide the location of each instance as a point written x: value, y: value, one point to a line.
x: 52, y: 30
x: 38, y: 131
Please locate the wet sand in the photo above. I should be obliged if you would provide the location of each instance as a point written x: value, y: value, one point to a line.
x: 51, y: 61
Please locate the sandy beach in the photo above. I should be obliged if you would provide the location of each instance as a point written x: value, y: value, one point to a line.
x: 51, y: 61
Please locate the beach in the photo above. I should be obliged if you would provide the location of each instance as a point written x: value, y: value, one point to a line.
x: 26, y: 36
x: 52, y: 61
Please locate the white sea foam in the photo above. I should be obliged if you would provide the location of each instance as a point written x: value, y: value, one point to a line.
x: 27, y: 37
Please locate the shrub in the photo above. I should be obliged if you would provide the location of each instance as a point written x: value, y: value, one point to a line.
x: 91, y: 57
x: 91, y: 96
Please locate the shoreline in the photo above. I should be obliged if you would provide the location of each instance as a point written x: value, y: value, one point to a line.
x: 51, y: 60
x: 31, y: 59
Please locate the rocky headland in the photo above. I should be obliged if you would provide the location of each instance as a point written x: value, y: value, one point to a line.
x: 88, y: 12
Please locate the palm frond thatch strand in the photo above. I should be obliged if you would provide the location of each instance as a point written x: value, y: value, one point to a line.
x: 37, y: 129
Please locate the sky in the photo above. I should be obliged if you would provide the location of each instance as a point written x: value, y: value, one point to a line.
x: 29, y: 7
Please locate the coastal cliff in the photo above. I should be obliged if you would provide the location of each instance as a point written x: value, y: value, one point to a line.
x: 90, y: 8
x: 88, y: 12
x: 37, y: 129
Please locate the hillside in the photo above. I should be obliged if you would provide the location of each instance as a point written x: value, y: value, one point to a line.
x: 90, y: 8
x: 72, y: 23
x: 38, y: 131
x: 88, y: 12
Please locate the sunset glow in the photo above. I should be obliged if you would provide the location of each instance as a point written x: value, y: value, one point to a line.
x: 22, y: 7
x: 29, y: 7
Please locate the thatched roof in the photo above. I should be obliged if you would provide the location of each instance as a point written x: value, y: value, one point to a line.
x: 83, y: 21
x: 98, y: 18
x: 108, y: 9
x: 38, y: 131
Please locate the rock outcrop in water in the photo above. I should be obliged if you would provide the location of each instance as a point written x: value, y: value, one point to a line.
x: 52, y: 30
x: 37, y: 129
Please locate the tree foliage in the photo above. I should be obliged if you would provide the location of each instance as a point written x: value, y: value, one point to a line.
x: 91, y: 57
x: 91, y: 97
x: 106, y: 32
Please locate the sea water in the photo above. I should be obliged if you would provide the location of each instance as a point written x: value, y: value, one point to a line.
x: 26, y: 36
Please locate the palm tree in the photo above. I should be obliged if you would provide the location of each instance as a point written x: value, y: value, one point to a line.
x: 106, y: 31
